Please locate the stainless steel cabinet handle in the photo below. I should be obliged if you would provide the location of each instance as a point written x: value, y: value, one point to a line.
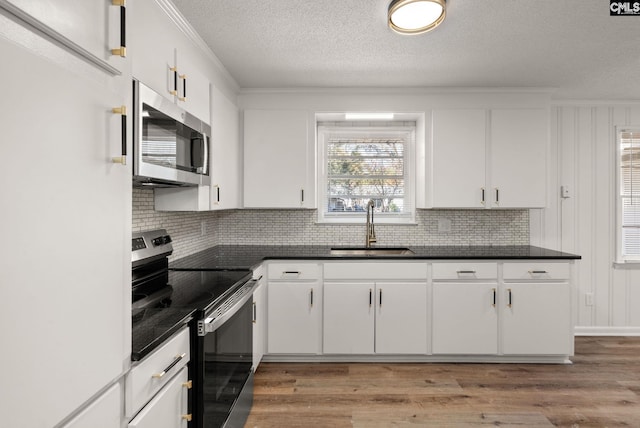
x: 122, y: 50
x: 122, y: 111
x: 533, y: 272
x: 510, y: 297
x: 482, y: 201
x: 301, y: 196
x: 494, y: 297
x: 169, y: 367
x: 311, y: 297
x: 380, y: 297
x: 497, y: 196
x: 370, y: 297
x: 466, y: 271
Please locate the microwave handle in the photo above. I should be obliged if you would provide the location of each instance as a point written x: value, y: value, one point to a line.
x: 205, y: 166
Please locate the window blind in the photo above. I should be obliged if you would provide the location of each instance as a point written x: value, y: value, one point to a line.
x: 630, y: 191
x: 363, y: 169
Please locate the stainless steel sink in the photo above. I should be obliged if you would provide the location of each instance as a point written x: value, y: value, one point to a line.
x: 374, y: 251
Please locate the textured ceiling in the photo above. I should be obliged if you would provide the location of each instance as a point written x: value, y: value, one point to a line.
x: 572, y: 46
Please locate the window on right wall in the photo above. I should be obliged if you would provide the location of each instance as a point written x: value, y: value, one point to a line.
x: 629, y: 194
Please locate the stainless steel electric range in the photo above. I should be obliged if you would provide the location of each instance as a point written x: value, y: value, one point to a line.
x: 221, y: 329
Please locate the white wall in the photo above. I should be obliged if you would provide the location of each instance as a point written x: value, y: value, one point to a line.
x: 583, y: 157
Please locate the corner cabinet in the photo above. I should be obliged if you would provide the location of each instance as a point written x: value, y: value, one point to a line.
x: 489, y: 158
x: 226, y: 153
x: 276, y: 154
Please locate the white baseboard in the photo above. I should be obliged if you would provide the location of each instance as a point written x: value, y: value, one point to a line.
x: 607, y: 331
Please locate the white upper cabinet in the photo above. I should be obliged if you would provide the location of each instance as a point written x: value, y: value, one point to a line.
x: 226, y: 158
x: 489, y: 158
x: 519, y: 158
x: 94, y: 28
x: 162, y: 59
x: 458, y: 168
x: 275, y: 159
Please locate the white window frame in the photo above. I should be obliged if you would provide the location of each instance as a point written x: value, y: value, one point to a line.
x: 327, y: 131
x: 619, y: 217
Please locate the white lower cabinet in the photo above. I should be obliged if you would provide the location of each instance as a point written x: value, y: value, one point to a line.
x: 104, y: 412
x: 465, y: 318
x: 380, y: 318
x: 157, y: 386
x: 294, y: 308
x: 169, y: 408
x: 259, y: 321
x: 536, y: 319
x: 294, y: 317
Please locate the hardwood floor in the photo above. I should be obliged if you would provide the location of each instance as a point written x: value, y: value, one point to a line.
x: 601, y: 389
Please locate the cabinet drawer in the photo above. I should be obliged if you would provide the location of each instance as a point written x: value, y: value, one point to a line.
x: 536, y: 270
x: 294, y: 271
x: 152, y: 373
x: 376, y: 271
x: 465, y: 270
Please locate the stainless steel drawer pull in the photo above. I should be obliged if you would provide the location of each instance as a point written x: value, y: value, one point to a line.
x: 170, y: 366
x: 533, y: 272
x: 466, y: 271
x: 291, y: 272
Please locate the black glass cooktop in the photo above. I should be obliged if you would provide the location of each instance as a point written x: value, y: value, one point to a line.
x: 202, y: 289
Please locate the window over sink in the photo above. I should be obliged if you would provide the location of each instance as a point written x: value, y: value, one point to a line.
x: 362, y: 163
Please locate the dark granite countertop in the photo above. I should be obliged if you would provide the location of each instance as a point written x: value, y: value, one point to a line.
x: 151, y: 327
x: 248, y: 256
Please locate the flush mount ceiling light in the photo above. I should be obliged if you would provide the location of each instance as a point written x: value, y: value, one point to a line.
x: 415, y: 16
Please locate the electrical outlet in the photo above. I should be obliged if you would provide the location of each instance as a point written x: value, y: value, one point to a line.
x: 588, y: 299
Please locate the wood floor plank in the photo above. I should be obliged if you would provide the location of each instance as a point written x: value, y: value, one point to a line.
x: 601, y: 389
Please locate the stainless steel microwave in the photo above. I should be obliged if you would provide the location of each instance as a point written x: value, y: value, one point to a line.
x: 171, y: 146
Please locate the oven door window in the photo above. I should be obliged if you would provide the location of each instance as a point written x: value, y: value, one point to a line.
x: 169, y: 143
x: 227, y: 365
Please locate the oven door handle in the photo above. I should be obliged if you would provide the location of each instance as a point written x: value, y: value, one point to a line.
x: 211, y: 324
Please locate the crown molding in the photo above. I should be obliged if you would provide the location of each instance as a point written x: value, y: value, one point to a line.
x: 181, y: 22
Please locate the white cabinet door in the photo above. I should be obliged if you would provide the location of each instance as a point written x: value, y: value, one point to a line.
x: 458, y: 158
x: 105, y: 412
x: 59, y: 136
x: 259, y: 322
x: 349, y: 315
x: 401, y: 318
x: 161, y: 60
x: 226, y: 158
x: 275, y: 159
x: 294, y: 310
x: 536, y: 319
x: 465, y: 318
x: 193, y: 88
x: 153, y: 48
x: 518, y: 158
x: 168, y: 409
x: 94, y: 26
